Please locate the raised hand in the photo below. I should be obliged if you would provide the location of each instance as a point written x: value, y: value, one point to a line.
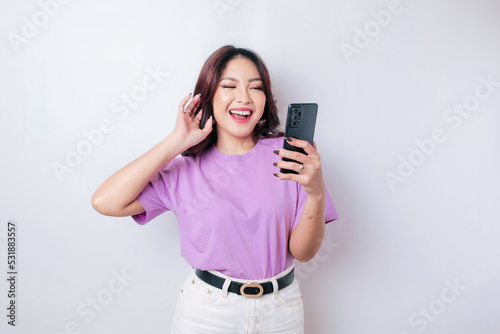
x: 187, y: 128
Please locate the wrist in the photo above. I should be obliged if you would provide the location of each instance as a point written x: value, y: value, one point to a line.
x: 315, y: 215
x: 317, y: 197
x: 315, y: 206
x: 177, y: 142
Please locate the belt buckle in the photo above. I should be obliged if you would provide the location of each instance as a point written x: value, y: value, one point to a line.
x: 251, y: 285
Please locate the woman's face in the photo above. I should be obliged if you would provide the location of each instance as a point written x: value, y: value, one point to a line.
x: 239, y: 100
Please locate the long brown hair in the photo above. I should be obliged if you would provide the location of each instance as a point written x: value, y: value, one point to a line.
x: 208, y: 82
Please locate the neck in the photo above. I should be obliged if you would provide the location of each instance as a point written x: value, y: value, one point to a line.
x: 234, y: 146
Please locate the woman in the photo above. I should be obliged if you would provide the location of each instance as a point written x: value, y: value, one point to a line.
x: 241, y: 222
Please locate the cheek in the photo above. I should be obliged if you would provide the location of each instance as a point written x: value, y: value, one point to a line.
x: 217, y: 103
x: 262, y: 103
x: 221, y: 101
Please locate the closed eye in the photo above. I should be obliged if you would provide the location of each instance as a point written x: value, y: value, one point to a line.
x: 228, y: 86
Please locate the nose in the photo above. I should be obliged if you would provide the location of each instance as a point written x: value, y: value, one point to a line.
x: 243, y: 96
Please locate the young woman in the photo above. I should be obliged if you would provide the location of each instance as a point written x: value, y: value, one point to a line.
x: 241, y: 222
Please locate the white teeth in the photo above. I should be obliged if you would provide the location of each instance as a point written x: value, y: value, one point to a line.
x: 240, y: 112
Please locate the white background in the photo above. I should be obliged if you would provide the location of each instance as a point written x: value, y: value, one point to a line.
x: 385, y: 261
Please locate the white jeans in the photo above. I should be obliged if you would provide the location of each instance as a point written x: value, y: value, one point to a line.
x: 204, y: 309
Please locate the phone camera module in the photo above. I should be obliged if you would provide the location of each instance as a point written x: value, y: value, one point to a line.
x: 295, y: 114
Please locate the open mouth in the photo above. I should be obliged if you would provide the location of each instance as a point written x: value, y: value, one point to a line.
x: 241, y: 114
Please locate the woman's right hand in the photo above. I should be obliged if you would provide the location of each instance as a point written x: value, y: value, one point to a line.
x: 187, y: 129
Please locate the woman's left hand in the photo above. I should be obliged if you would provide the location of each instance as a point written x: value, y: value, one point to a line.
x: 311, y: 175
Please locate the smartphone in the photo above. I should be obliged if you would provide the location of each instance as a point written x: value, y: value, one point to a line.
x: 300, y: 124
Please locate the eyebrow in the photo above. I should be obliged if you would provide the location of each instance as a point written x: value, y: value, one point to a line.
x: 236, y: 80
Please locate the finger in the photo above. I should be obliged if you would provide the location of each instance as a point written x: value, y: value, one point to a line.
x: 314, y: 145
x: 288, y: 176
x: 288, y: 165
x: 195, y: 102
x: 183, y: 102
x: 208, y: 125
x: 292, y: 155
x: 199, y: 115
x: 304, y: 144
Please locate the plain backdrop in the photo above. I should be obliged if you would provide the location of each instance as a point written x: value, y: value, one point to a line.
x: 410, y: 155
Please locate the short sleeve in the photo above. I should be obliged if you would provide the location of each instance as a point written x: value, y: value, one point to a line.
x: 330, y: 211
x: 156, y: 197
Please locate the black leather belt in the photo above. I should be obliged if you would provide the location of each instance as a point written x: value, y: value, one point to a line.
x: 249, y: 290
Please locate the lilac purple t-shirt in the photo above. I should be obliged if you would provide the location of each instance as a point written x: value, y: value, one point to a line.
x: 233, y: 215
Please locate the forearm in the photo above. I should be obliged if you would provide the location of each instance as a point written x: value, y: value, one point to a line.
x: 123, y: 187
x: 306, y: 238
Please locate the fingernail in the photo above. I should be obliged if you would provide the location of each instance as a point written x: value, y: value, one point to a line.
x: 190, y: 94
x: 275, y: 163
x: 277, y: 152
x: 289, y: 139
x: 276, y: 174
x: 199, y: 94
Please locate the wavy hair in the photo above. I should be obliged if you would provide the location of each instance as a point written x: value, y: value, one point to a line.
x: 207, y: 84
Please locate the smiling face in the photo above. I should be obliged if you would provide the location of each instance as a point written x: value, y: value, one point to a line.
x: 239, y: 100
